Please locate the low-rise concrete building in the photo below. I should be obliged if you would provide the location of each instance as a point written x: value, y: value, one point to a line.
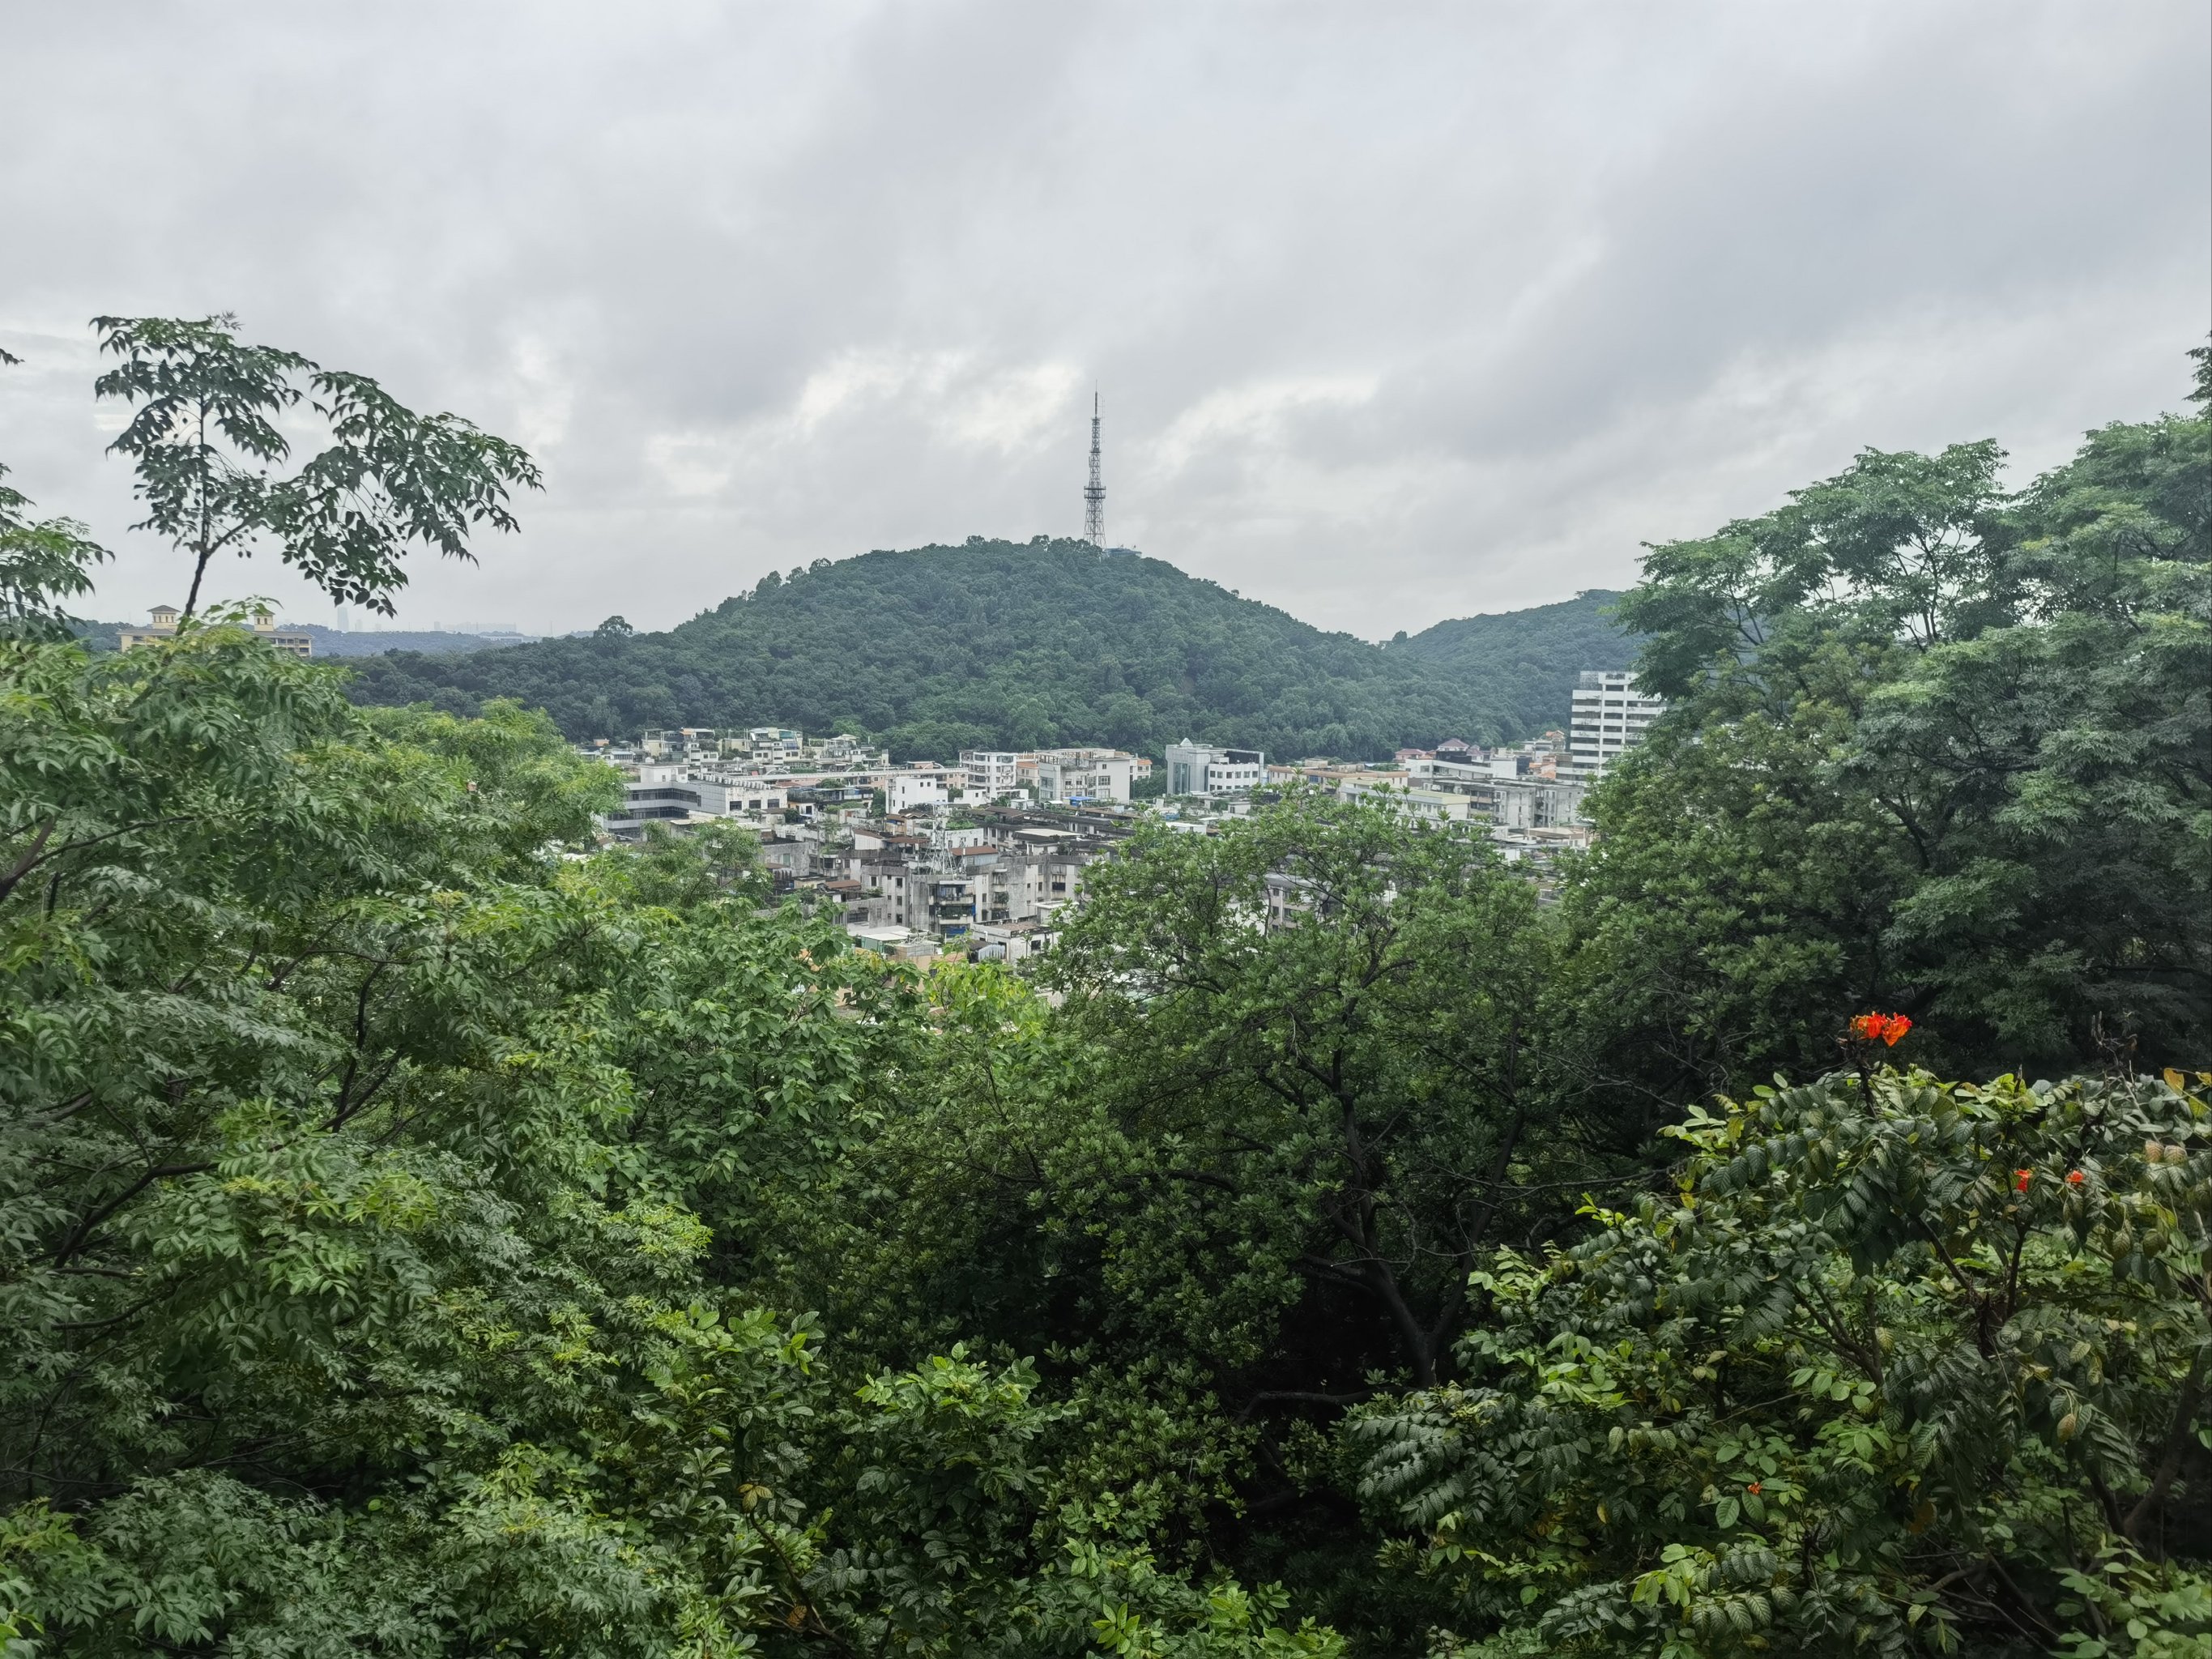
x: 1072, y: 775
x: 910, y: 791
x: 1013, y: 942
x: 668, y: 793
x: 1413, y: 799
x: 1201, y: 769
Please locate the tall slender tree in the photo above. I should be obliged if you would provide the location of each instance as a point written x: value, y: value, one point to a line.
x: 204, y: 439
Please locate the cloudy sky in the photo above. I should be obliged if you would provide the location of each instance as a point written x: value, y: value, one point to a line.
x: 1399, y: 311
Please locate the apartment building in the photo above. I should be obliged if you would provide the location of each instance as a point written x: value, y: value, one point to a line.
x: 1610, y: 717
x: 1016, y: 870
x: 1537, y: 802
x: 913, y: 791
x: 1413, y: 798
x: 1085, y: 775
x: 992, y: 774
x: 761, y: 749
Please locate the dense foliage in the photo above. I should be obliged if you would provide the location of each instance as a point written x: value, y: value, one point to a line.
x: 353, y: 1268
x: 1931, y: 747
x: 424, y: 1232
x: 1002, y: 644
x: 1897, y: 1365
x: 43, y: 562
x: 1524, y: 663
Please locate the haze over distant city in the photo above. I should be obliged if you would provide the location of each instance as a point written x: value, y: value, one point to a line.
x: 1397, y: 314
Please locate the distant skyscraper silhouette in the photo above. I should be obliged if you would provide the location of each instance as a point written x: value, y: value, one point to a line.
x: 1094, y: 492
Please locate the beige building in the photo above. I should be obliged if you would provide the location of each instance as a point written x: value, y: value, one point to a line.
x: 163, y: 626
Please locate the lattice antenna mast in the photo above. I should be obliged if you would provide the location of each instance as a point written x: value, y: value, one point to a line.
x: 1094, y: 492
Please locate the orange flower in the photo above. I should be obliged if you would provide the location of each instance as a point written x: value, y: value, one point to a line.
x: 1752, y: 1488
x: 1893, y: 1027
x: 2020, y: 1180
x: 1879, y: 1028
x: 2074, y: 1177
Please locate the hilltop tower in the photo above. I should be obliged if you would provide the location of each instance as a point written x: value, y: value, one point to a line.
x: 1094, y: 492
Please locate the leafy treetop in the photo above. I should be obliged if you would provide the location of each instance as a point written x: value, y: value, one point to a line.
x: 204, y: 435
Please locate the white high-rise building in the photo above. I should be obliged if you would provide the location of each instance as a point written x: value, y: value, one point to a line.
x: 1610, y: 717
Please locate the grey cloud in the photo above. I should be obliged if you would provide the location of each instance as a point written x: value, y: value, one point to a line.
x: 1400, y: 313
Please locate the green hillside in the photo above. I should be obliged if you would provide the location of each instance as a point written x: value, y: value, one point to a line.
x: 1021, y: 645
x: 1521, y: 664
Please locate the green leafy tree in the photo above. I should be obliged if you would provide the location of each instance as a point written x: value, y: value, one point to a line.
x: 272, y: 1153
x: 350, y: 1291
x: 42, y: 562
x: 1297, y: 1084
x: 1323, y: 1058
x: 1898, y: 1365
x: 1930, y: 746
x: 204, y: 436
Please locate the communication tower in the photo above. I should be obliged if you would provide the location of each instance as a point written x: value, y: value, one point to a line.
x: 1094, y: 492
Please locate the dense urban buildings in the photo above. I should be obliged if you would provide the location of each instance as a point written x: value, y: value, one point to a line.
x: 979, y: 857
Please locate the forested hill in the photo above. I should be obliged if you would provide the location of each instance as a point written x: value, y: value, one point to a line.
x: 1522, y: 663
x: 1019, y: 645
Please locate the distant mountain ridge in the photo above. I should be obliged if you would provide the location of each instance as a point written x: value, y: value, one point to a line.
x: 374, y: 642
x: 998, y: 644
x: 346, y: 643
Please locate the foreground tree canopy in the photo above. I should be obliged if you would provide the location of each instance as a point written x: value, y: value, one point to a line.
x: 421, y: 1233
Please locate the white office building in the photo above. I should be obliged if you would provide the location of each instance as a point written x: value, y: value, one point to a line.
x: 1610, y: 717
x: 1200, y: 768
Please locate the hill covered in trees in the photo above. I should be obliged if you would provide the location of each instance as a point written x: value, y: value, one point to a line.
x: 1011, y: 644
x: 1522, y: 663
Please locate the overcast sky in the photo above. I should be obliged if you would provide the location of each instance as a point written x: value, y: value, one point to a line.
x: 1398, y: 311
